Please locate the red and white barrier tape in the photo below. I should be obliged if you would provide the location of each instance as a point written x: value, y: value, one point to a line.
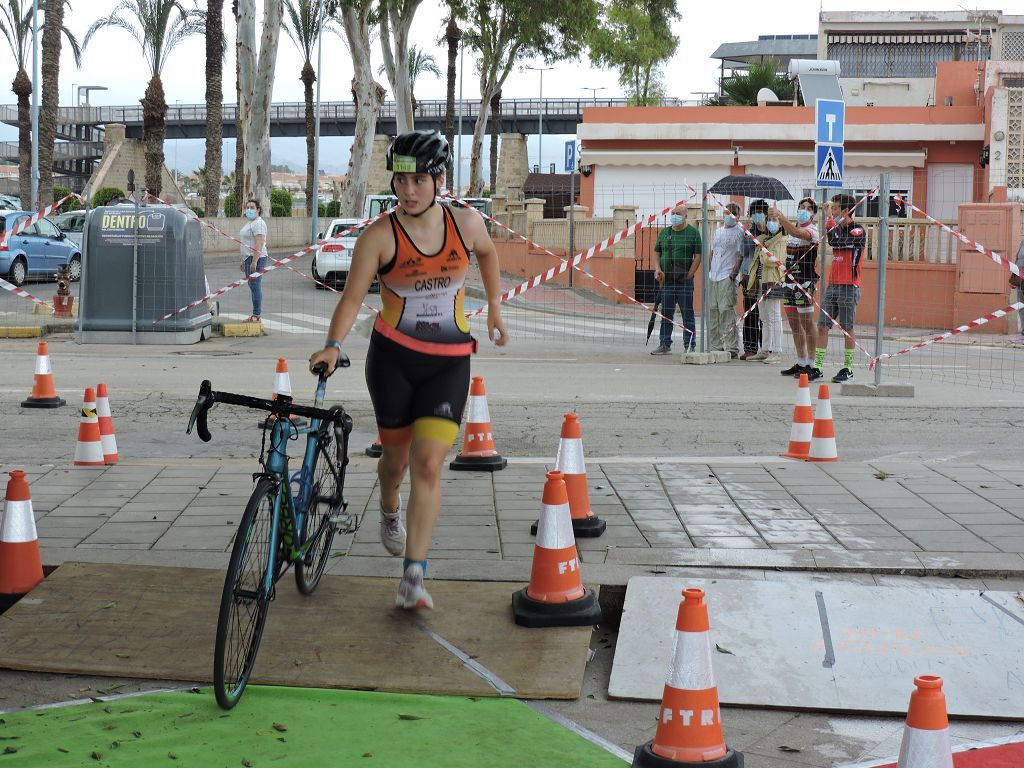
x: 580, y: 257
x: 23, y: 294
x: 24, y: 224
x: 565, y: 261
x: 964, y: 238
x: 977, y: 323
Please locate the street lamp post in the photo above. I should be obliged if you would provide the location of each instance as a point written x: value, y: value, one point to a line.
x: 593, y: 92
x: 540, y: 118
x: 178, y: 110
x: 314, y: 204
x: 458, y: 165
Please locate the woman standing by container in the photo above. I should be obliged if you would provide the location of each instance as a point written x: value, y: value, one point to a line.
x: 254, y: 254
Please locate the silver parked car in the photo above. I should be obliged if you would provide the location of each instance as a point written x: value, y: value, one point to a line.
x: 72, y: 224
x: 334, y: 258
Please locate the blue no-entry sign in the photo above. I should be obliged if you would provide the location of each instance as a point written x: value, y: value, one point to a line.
x: 570, y: 156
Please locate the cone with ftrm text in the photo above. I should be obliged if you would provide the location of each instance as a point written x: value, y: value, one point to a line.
x: 803, y: 422
x: 478, y: 451
x: 44, y: 394
x: 569, y: 461
x: 20, y: 564
x: 823, y: 436
x: 926, y: 735
x: 89, y: 448
x: 375, y: 449
x: 282, y: 386
x: 556, y: 596
x: 689, y: 729
x: 106, y: 421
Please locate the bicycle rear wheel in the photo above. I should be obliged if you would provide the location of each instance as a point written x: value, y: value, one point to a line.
x: 326, y: 501
x: 246, y: 598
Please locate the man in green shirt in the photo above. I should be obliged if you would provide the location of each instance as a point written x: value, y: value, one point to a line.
x: 678, y: 248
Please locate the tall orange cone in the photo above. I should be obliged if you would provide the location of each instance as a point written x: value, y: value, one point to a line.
x: 20, y: 564
x: 926, y: 735
x: 823, y: 436
x: 375, y: 449
x: 690, y: 721
x: 106, y: 421
x: 478, y: 451
x: 556, y: 596
x: 282, y: 386
x: 803, y: 422
x: 44, y: 395
x: 89, y: 448
x: 569, y: 461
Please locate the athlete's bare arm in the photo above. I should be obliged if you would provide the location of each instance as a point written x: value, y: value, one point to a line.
x: 474, y: 233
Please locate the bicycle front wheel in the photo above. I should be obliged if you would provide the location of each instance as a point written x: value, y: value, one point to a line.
x: 326, y: 502
x: 246, y: 597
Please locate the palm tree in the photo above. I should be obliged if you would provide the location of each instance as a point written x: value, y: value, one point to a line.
x: 452, y: 36
x: 305, y: 21
x: 741, y: 89
x: 158, y: 26
x: 214, y: 106
x: 16, y: 27
x: 53, y: 31
x: 420, y: 62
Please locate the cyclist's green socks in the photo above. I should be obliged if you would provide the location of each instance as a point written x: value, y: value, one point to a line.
x: 848, y: 359
x: 819, y: 357
x: 407, y: 562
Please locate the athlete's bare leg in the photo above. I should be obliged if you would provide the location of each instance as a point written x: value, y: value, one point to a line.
x: 426, y: 460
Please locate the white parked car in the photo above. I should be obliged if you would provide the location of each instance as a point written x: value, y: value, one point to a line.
x: 333, y: 259
x: 72, y: 224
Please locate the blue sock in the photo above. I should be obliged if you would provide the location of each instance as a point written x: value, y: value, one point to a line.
x: 407, y: 562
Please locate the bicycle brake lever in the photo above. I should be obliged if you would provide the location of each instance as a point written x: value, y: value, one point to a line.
x: 203, y: 404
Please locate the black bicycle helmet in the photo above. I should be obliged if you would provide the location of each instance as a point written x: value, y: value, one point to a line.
x: 419, y: 152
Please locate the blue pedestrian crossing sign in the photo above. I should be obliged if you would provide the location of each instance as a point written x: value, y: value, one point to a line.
x: 570, y: 156
x: 829, y: 165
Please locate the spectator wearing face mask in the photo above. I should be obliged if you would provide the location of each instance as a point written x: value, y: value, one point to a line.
x: 726, y: 249
x: 757, y: 211
x: 678, y: 248
x: 766, y: 280
x: 801, y: 257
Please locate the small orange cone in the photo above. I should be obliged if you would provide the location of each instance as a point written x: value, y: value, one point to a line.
x: 556, y: 596
x: 478, y: 451
x: 926, y: 735
x: 375, y: 450
x: 282, y: 386
x: 20, y: 564
x: 690, y: 721
x: 823, y: 436
x: 106, y: 421
x: 44, y: 395
x: 89, y: 448
x: 803, y: 422
x: 569, y: 461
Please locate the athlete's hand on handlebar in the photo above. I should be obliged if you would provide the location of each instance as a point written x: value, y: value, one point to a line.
x: 331, y: 357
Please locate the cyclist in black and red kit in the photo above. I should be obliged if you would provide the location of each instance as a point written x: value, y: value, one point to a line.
x: 417, y: 365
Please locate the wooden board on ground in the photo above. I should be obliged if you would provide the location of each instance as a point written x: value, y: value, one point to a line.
x: 154, y: 622
x: 832, y: 646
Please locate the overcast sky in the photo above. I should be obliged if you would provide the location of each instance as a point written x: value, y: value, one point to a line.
x: 114, y: 60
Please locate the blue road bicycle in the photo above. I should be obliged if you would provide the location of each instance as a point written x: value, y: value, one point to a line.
x: 289, y: 519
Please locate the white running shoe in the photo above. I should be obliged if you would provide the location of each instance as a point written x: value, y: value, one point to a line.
x: 392, y: 532
x: 772, y: 358
x: 411, y: 592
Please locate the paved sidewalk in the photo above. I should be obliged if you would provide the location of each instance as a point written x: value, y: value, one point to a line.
x: 879, y: 517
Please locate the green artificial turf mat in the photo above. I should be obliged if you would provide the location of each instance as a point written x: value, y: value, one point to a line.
x: 274, y: 726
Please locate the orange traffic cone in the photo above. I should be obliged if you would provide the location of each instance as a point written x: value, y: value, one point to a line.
x: 926, y: 734
x: 803, y: 422
x: 569, y: 461
x: 375, y: 450
x: 20, y: 564
x: 556, y: 596
x: 44, y: 395
x: 823, y: 436
x: 107, y: 439
x: 478, y: 452
x: 89, y: 448
x: 282, y: 386
x: 689, y: 721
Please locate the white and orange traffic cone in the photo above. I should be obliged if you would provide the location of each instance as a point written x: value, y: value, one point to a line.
x: 106, y: 421
x: 478, y: 451
x: 689, y: 721
x: 89, y: 448
x: 44, y: 394
x: 803, y: 422
x: 20, y: 563
x: 823, y: 436
x: 569, y: 461
x: 282, y: 386
x: 926, y: 735
x: 375, y: 449
x: 556, y: 596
